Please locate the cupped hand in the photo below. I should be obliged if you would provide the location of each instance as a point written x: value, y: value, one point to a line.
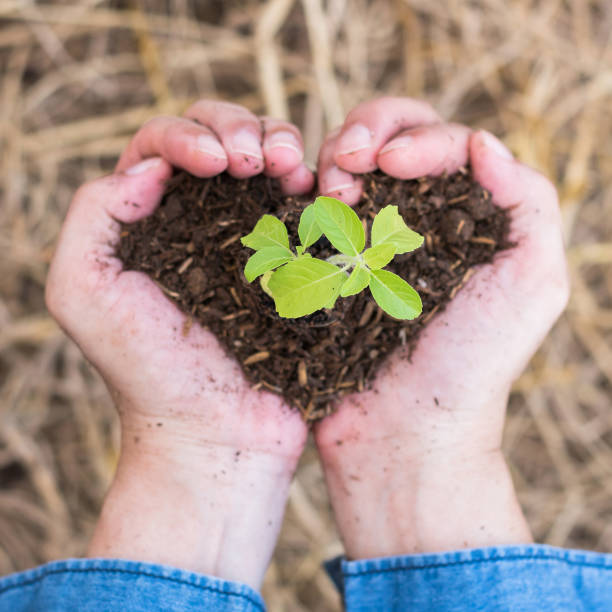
x: 186, y: 410
x: 425, y: 439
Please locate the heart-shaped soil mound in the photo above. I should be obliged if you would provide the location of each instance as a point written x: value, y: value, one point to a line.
x: 191, y: 248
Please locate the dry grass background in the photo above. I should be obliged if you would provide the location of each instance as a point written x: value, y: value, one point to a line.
x: 78, y: 78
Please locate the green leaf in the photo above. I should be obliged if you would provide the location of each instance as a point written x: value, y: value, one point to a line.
x: 340, y: 224
x: 379, y: 256
x: 264, y: 260
x: 304, y: 286
x: 390, y: 228
x: 308, y: 229
x: 394, y: 295
x: 264, y: 280
x: 357, y: 281
x: 331, y: 303
x: 335, y: 297
x: 268, y: 232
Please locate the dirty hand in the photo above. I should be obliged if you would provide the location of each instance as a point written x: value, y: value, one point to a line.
x: 206, y: 461
x: 414, y: 465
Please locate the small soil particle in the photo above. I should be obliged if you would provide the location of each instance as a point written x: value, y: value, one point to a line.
x: 196, y: 282
x: 315, y: 360
x: 173, y: 209
x: 457, y: 226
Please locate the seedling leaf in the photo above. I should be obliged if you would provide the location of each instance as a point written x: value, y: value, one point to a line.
x: 340, y: 224
x: 268, y: 232
x: 264, y: 280
x: 336, y: 294
x: 379, y: 256
x: 332, y: 302
x: 265, y: 259
x: 304, y: 286
x: 390, y: 228
x: 308, y: 229
x: 357, y: 281
x: 394, y: 295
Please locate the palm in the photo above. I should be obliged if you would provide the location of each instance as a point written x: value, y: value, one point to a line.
x: 455, y: 385
x: 186, y: 375
x: 134, y: 335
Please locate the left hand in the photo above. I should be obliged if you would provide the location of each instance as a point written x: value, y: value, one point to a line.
x: 206, y: 461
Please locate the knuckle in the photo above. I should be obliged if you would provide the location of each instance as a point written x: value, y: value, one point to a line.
x: 155, y: 122
x: 231, y: 106
x: 213, y: 107
x: 87, y: 190
x: 458, y: 130
x: 198, y: 107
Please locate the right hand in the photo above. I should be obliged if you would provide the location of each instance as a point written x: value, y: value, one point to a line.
x: 429, y: 431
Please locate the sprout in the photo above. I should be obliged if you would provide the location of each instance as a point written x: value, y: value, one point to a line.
x: 301, y: 284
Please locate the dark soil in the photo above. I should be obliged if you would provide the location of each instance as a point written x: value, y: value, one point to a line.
x: 191, y: 248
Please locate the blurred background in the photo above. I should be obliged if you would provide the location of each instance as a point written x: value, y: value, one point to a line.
x: 78, y: 78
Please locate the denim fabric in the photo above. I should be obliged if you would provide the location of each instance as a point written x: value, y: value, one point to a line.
x: 109, y: 585
x: 512, y: 578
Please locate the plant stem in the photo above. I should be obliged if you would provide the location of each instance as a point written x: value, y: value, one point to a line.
x: 348, y: 261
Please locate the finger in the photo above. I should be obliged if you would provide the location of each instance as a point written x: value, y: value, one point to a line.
x: 535, y: 220
x: 333, y: 181
x: 84, y: 263
x: 298, y: 181
x: 428, y: 150
x: 370, y: 125
x: 181, y: 142
x: 531, y: 195
x: 282, y: 147
x: 239, y: 131
x: 283, y: 150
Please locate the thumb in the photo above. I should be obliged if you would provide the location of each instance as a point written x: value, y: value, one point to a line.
x: 537, y: 263
x: 526, y: 286
x: 84, y: 263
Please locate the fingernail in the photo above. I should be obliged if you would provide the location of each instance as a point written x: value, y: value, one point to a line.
x: 286, y: 140
x: 356, y: 138
x: 336, y: 180
x: 143, y: 166
x: 495, y: 145
x: 401, y: 142
x: 211, y: 146
x: 247, y: 143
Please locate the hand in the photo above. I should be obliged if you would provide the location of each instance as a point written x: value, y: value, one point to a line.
x: 206, y: 461
x: 414, y: 464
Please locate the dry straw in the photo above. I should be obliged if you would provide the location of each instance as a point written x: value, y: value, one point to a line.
x: 77, y: 79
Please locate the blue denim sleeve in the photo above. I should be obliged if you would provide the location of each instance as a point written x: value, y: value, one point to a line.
x: 111, y: 585
x: 518, y: 578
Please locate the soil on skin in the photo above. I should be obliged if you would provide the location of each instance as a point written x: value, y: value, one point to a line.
x: 191, y: 248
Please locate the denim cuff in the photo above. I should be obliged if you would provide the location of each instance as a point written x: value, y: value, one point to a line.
x: 112, y: 585
x: 525, y: 578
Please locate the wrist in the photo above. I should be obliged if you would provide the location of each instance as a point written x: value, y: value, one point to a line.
x: 194, y: 504
x: 442, y: 500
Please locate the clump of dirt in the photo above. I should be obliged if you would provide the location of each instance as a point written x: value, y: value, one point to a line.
x: 191, y: 248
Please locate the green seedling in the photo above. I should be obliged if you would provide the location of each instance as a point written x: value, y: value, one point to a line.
x: 301, y: 284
